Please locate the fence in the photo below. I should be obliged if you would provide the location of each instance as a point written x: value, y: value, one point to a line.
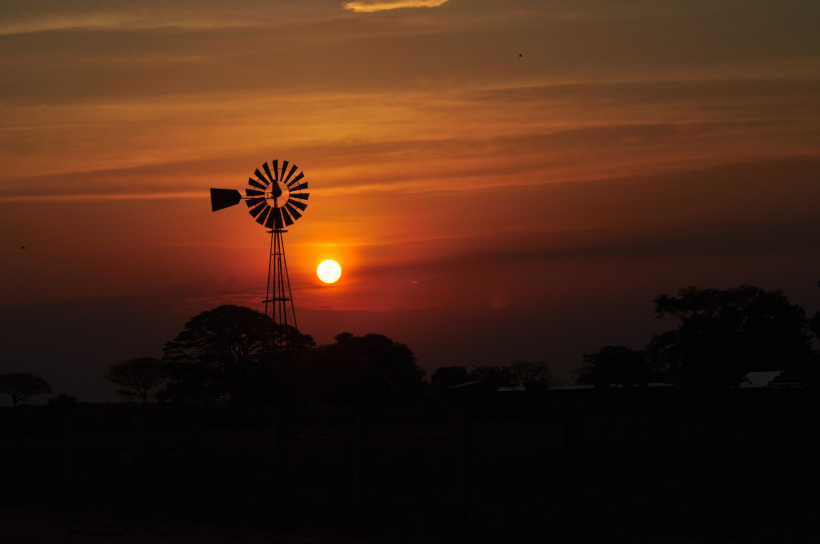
x: 349, y: 451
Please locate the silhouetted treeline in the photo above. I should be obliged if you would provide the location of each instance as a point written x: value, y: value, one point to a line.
x: 532, y: 375
x: 234, y: 354
x: 363, y: 449
x: 721, y: 336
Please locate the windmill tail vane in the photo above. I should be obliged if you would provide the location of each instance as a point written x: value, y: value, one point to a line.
x: 276, y: 199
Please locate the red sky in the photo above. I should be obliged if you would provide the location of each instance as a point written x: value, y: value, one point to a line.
x: 498, y: 180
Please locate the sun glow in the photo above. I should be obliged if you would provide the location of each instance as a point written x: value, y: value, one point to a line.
x: 329, y: 271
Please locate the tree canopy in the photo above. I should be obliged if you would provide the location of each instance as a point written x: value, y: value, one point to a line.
x: 615, y: 365
x: 20, y: 387
x: 448, y: 376
x: 137, y: 377
x: 721, y: 336
x: 724, y: 334
x: 227, y: 353
x: 367, y: 368
x: 234, y: 353
x: 532, y: 375
x: 500, y: 376
x: 63, y: 403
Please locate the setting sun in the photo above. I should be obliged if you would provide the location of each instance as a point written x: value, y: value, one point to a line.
x: 329, y: 271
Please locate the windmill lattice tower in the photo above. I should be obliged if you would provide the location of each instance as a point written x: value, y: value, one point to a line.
x: 275, y: 200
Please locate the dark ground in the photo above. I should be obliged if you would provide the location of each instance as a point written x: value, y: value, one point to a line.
x: 643, y: 477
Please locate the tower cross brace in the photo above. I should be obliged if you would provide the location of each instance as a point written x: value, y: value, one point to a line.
x: 278, y: 298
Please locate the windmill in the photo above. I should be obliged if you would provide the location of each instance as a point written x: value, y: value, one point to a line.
x: 275, y: 200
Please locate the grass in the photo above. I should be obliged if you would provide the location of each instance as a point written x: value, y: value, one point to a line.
x: 643, y: 478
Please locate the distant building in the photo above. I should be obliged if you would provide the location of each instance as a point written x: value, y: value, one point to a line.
x: 770, y: 379
x: 576, y: 387
x: 473, y: 388
x: 507, y: 389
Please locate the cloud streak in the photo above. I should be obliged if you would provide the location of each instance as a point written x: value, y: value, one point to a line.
x: 101, y: 196
x: 41, y: 16
x: 365, y: 6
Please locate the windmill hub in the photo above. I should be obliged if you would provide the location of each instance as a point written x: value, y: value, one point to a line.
x: 273, y: 200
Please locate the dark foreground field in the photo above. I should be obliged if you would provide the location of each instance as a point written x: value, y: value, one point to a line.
x: 642, y: 476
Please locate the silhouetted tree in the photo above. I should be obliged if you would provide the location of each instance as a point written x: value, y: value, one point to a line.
x: 814, y: 324
x: 137, y: 376
x: 367, y: 368
x: 723, y: 334
x: 20, y: 387
x: 615, y: 365
x: 227, y: 353
x: 532, y: 375
x: 500, y: 376
x: 62, y: 403
x: 448, y: 376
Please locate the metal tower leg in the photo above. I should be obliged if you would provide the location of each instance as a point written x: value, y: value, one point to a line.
x: 279, y: 299
x: 279, y: 307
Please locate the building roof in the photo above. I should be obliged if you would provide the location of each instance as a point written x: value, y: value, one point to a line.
x: 573, y: 387
x: 465, y: 384
x: 618, y: 386
x: 511, y: 388
x: 760, y: 379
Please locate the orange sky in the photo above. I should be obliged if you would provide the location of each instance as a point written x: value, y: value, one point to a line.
x: 484, y: 206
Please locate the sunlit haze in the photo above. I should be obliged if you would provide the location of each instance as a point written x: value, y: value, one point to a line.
x: 500, y: 179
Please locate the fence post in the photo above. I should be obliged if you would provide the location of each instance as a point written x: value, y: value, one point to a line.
x: 571, y: 473
x: 67, y: 447
x: 278, y: 468
x: 137, y: 456
x: 462, y: 471
x: 358, y: 489
x: 196, y: 420
x: 716, y: 477
x: 17, y: 485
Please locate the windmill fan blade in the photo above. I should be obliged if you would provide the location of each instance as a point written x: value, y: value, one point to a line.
x: 303, y: 196
x: 254, y: 201
x: 257, y: 210
x: 292, y: 170
x: 269, y: 222
x: 264, y: 215
x: 300, y: 205
x: 299, y: 187
x: 277, y: 218
x: 254, y: 192
x: 267, y: 171
x: 256, y: 184
x: 286, y: 217
x: 224, y: 198
x: 284, y: 168
x: 293, y: 211
x: 276, y: 169
x: 261, y: 176
x: 296, y: 179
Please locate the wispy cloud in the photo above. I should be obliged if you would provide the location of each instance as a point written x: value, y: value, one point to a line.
x: 123, y: 15
x: 102, y: 196
x: 367, y: 6
x: 113, y: 20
